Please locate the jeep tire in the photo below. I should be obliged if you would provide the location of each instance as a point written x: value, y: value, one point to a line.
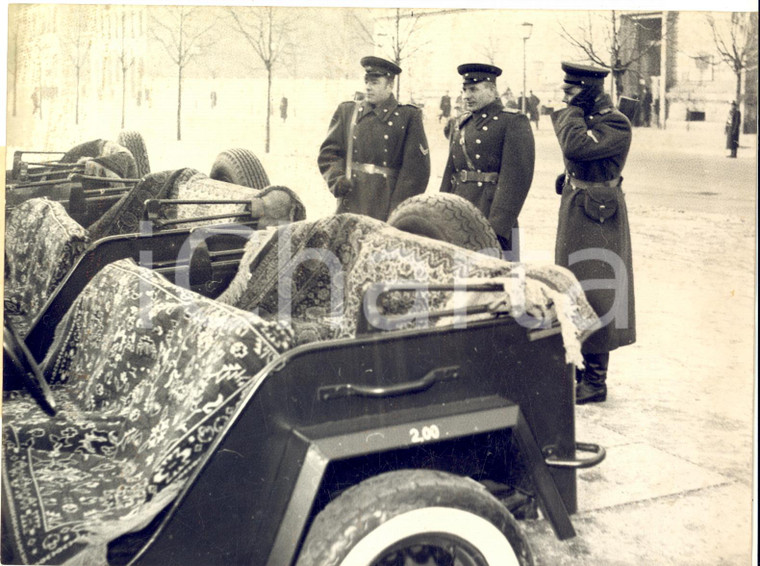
x: 446, y: 217
x: 135, y: 143
x: 415, y: 517
x: 239, y: 167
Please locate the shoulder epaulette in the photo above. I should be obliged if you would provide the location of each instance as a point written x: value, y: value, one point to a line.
x: 410, y: 105
x: 511, y: 110
x: 605, y: 111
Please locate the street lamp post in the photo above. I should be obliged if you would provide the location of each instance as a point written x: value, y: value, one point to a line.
x: 527, y: 29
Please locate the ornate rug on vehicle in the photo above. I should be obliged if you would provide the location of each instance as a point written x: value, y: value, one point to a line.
x: 146, y: 375
x: 317, y: 273
x: 41, y: 244
x: 274, y: 204
x: 124, y: 217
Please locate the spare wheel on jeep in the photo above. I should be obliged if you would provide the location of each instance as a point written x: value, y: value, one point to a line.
x: 240, y: 167
x: 135, y: 143
x: 446, y: 217
x: 410, y: 517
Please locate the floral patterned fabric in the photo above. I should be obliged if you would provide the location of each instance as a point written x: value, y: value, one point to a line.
x: 41, y: 244
x: 275, y: 204
x: 124, y: 217
x: 317, y: 273
x: 146, y: 375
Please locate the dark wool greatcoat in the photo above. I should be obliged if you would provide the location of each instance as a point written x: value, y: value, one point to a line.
x: 497, y: 140
x: 389, y: 135
x: 732, y: 129
x: 595, y: 148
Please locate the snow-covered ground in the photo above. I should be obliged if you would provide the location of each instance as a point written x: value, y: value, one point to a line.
x: 676, y: 487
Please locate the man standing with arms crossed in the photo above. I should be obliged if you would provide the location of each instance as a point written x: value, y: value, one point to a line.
x: 376, y: 153
x: 593, y: 236
x: 491, y: 155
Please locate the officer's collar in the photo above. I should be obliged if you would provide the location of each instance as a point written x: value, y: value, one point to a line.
x: 603, y: 103
x: 383, y: 110
x: 489, y: 110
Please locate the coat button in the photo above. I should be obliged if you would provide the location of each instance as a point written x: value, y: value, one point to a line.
x: 485, y: 128
x: 495, y: 117
x: 390, y: 123
x: 386, y: 136
x: 480, y: 184
x: 385, y: 163
x: 477, y: 156
x: 477, y: 141
x: 484, y: 115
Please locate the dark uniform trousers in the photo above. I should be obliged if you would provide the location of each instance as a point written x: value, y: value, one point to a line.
x: 390, y: 156
x: 491, y: 160
x: 593, y: 235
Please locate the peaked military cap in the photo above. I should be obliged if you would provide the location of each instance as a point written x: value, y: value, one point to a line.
x: 577, y: 74
x: 378, y: 67
x: 478, y: 73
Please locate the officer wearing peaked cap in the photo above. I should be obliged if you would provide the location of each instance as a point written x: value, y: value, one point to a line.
x: 593, y: 236
x: 491, y: 155
x: 375, y: 154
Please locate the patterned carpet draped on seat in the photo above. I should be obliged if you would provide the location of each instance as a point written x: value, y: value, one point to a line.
x: 42, y: 242
x: 146, y: 375
x: 316, y: 273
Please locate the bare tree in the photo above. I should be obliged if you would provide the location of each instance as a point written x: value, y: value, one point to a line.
x: 125, y: 63
x: 735, y: 39
x: 13, y: 63
x: 267, y: 31
x: 489, y: 48
x: 184, y: 34
x: 402, y: 35
x: 77, y: 47
x: 609, y: 44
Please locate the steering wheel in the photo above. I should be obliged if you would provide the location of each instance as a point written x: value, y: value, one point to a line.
x: 18, y: 359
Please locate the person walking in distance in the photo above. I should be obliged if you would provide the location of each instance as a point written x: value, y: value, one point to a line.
x: 732, y: 129
x: 593, y: 236
x: 491, y: 155
x: 376, y: 153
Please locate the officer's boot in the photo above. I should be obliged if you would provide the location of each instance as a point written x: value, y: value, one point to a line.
x: 592, y: 388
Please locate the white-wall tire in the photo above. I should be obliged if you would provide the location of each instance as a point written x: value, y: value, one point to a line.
x: 397, y: 513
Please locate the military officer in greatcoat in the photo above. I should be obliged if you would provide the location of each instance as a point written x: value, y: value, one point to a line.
x: 376, y: 153
x: 491, y: 155
x: 593, y: 236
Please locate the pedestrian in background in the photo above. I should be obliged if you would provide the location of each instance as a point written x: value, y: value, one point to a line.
x: 376, y: 153
x: 445, y: 107
x: 533, y: 108
x: 593, y: 236
x: 732, y: 129
x: 284, y: 108
x: 491, y: 155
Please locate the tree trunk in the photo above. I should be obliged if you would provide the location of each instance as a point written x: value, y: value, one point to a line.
x: 123, y: 94
x: 76, y: 114
x: 179, y: 102
x: 269, y: 105
x: 738, y: 97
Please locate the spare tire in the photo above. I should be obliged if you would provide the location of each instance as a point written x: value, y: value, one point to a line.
x: 446, y: 217
x: 239, y: 167
x: 135, y: 143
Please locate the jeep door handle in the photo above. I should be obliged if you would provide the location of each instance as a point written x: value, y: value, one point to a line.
x: 426, y: 382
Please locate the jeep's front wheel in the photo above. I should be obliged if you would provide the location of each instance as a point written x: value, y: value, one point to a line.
x: 412, y: 517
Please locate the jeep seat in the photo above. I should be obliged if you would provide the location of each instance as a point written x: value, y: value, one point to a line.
x: 146, y: 375
x: 42, y: 242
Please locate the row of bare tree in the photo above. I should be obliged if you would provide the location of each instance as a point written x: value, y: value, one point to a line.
x: 186, y: 33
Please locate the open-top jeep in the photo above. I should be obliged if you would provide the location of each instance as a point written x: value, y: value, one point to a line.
x: 322, y: 392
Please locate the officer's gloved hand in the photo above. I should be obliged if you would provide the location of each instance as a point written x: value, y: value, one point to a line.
x: 584, y: 100
x: 343, y: 186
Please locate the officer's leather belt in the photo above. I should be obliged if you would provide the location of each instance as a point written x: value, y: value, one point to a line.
x: 579, y: 184
x: 467, y: 176
x: 373, y: 169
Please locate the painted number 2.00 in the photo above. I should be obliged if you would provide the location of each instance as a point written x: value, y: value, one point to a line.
x: 431, y: 432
